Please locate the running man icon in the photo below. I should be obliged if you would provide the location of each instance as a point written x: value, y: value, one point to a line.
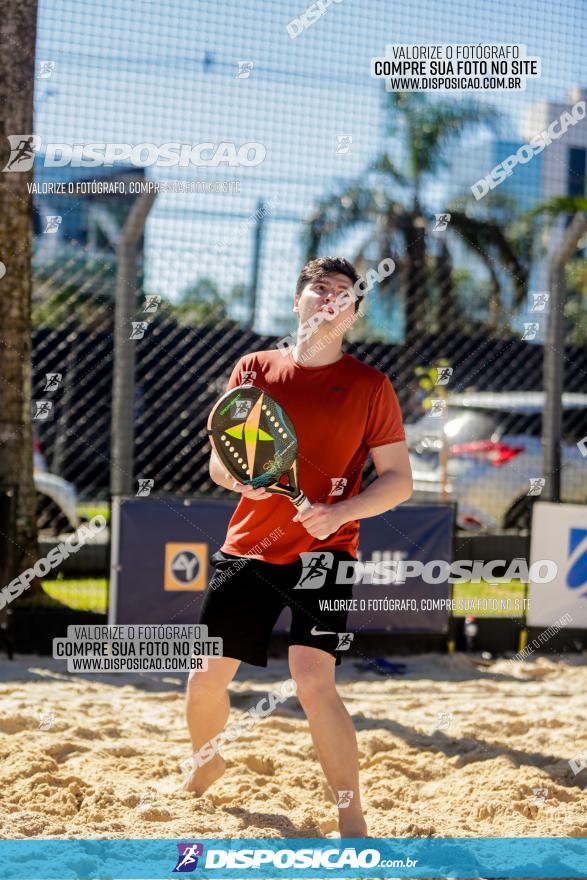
x: 315, y: 569
x: 24, y: 150
x: 188, y: 854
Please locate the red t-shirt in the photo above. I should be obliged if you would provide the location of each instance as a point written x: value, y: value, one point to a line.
x: 340, y: 412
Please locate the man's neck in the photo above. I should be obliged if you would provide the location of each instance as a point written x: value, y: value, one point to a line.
x: 318, y: 352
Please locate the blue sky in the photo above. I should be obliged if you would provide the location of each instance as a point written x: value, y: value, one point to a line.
x: 134, y: 72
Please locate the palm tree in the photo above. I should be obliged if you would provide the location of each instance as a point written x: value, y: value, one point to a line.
x: 576, y: 277
x: 503, y: 239
x: 17, y: 76
x: 389, y: 204
x: 200, y: 302
x: 562, y: 210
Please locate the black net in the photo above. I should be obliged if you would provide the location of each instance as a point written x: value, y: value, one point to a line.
x: 292, y: 149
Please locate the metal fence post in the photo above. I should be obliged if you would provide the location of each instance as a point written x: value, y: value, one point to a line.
x: 257, y: 246
x: 123, y: 382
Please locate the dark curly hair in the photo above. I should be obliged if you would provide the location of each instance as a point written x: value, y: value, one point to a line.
x: 327, y: 266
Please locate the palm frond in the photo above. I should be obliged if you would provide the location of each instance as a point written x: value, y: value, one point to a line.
x: 385, y: 165
x: 560, y: 205
x: 430, y: 126
x: 487, y: 237
x: 340, y: 212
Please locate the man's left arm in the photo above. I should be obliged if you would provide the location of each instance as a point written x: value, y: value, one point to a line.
x: 392, y: 486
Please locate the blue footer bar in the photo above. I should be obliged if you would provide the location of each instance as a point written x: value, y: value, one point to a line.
x: 485, y: 857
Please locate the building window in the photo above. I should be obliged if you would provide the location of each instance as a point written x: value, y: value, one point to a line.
x: 576, y: 177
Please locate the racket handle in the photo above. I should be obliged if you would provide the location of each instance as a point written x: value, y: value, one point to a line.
x: 303, y: 505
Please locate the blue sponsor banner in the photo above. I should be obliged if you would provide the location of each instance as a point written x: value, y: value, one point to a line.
x: 317, y: 858
x: 418, y: 532
x: 161, y: 549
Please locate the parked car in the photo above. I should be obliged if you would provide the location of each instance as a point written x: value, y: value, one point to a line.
x: 495, y: 451
x: 56, y: 498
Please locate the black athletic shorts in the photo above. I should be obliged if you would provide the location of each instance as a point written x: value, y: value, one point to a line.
x: 245, y: 597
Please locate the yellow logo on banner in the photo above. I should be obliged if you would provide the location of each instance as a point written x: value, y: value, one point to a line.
x: 186, y: 566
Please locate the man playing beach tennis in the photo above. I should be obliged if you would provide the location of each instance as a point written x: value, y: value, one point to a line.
x: 342, y: 410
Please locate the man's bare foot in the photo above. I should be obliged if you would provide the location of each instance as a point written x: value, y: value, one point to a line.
x: 201, y: 778
x: 351, y: 826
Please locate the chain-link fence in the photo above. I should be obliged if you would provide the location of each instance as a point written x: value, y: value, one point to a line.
x: 183, y: 361
x: 301, y: 153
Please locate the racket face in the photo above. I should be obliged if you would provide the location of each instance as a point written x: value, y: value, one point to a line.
x: 255, y: 440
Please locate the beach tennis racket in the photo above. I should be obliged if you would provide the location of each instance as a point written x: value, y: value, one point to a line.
x: 256, y: 442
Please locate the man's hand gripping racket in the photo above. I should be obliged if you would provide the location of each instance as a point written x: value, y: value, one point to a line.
x: 256, y: 442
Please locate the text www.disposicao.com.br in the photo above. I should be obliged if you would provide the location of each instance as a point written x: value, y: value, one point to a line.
x: 134, y: 664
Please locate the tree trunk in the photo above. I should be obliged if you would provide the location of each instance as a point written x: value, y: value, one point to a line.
x: 17, y: 77
x: 494, y: 303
